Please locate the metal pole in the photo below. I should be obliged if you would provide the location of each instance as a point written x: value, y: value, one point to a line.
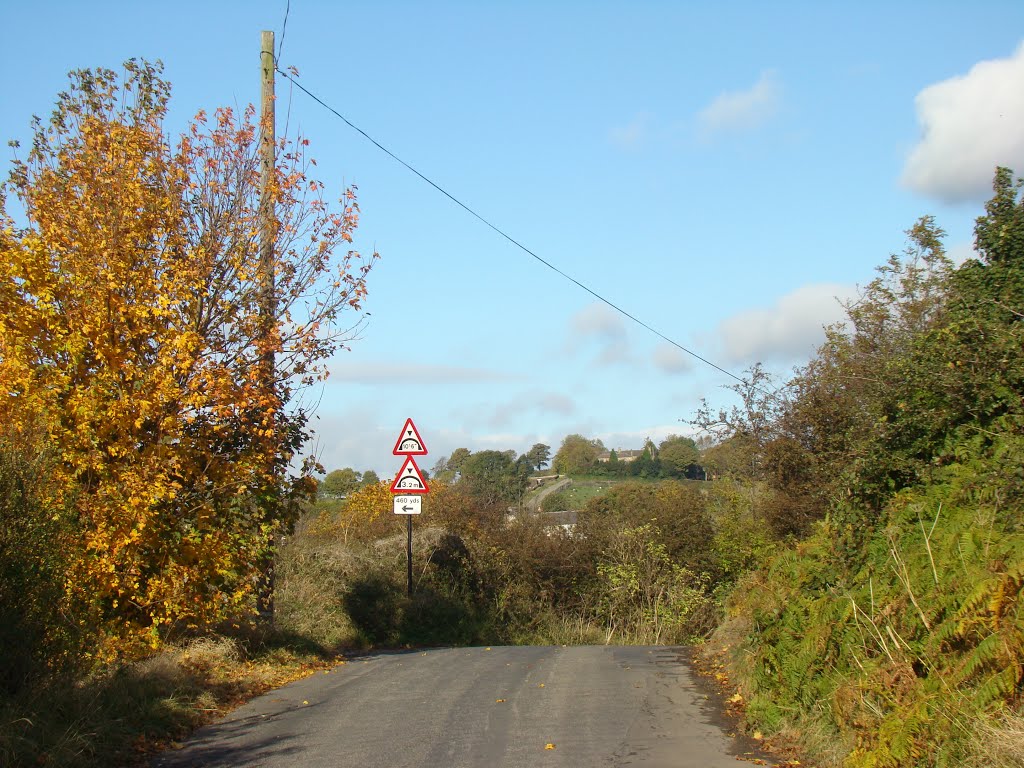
x: 408, y: 553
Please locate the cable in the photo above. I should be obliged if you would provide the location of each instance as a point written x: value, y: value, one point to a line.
x: 512, y: 240
x: 284, y: 28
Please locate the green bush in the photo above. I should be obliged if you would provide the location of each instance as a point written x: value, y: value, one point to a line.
x: 644, y: 598
x: 677, y: 508
x: 558, y: 501
x: 42, y: 636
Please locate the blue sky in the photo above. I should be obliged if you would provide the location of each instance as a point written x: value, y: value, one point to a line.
x: 723, y: 171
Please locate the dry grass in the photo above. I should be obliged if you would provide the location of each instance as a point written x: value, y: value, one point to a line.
x: 312, y: 580
x: 120, y: 715
x: 999, y: 742
x: 317, y: 574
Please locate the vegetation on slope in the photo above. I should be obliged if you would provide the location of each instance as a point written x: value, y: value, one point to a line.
x: 892, y: 632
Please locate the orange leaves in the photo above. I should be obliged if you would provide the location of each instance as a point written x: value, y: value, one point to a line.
x: 130, y: 324
x: 367, y: 513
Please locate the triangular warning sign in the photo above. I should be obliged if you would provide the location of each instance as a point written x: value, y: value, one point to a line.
x: 409, y: 442
x: 409, y: 479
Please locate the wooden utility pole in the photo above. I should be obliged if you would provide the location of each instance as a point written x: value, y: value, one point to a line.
x: 268, y: 227
x: 267, y: 295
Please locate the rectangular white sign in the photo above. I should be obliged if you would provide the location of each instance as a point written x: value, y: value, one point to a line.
x: 408, y: 505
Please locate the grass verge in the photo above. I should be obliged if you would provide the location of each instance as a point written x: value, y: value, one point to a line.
x: 583, y: 488
x: 119, y: 717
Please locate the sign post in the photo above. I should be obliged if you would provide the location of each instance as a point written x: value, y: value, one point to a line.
x: 409, y: 485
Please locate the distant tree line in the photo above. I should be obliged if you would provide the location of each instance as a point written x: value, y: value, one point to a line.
x: 342, y: 482
x: 493, y: 479
x: 675, y: 457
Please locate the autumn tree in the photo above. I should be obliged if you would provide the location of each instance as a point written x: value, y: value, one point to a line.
x: 130, y: 328
x: 366, y: 514
x: 577, y: 454
x: 679, y: 512
x: 340, y: 482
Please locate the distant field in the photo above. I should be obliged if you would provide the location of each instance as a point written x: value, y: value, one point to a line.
x: 584, y: 488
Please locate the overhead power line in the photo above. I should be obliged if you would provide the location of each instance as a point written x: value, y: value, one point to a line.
x: 284, y: 28
x: 500, y: 231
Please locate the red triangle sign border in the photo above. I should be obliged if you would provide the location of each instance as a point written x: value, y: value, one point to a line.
x: 410, y: 472
x: 409, y: 445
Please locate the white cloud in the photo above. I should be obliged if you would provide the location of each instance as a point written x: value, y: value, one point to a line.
x: 352, y: 439
x: 734, y: 111
x: 634, y: 133
x: 600, y: 325
x: 406, y: 373
x: 787, y: 332
x: 669, y: 359
x: 549, y: 403
x: 970, y: 124
x: 598, y: 319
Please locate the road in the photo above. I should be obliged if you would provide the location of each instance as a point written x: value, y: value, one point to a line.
x: 535, y: 501
x: 501, y: 707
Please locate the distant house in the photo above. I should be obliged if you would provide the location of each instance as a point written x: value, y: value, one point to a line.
x: 622, y: 455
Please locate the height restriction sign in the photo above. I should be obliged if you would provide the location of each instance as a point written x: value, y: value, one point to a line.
x: 409, y: 442
x: 409, y: 479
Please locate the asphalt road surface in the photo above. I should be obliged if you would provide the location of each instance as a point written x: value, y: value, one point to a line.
x: 501, y: 707
x: 535, y: 501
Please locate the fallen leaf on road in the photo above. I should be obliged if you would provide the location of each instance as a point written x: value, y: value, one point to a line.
x: 499, y: 701
x: 549, y: 745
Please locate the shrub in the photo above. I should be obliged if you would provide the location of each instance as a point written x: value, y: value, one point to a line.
x: 41, y: 633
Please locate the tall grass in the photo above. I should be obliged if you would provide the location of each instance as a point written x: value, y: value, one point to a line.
x: 118, y: 715
x: 998, y: 742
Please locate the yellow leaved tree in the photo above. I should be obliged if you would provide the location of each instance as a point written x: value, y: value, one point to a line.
x: 131, y: 333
